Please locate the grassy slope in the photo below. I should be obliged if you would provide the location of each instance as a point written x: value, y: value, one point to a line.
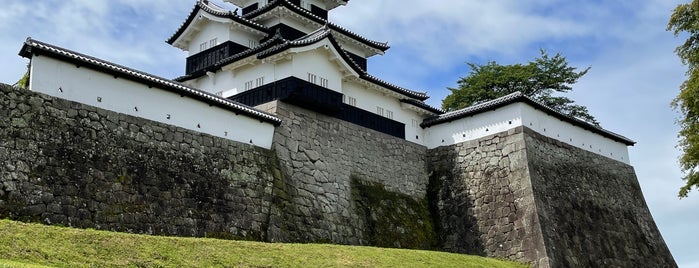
x: 22, y: 243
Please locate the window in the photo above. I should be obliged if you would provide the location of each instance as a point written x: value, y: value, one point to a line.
x: 312, y: 78
x: 213, y: 42
x: 259, y: 81
x: 248, y: 85
x: 252, y: 43
x: 389, y: 114
x: 416, y: 124
x: 379, y: 111
x: 315, y: 79
x: 350, y: 100
x: 203, y: 46
x: 306, y: 5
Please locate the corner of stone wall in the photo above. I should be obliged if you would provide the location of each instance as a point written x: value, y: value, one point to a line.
x: 591, y: 208
x: 482, y: 199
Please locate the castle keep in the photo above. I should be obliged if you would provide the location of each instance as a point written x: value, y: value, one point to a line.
x: 277, y: 132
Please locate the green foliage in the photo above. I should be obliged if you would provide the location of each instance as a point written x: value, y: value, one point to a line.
x: 539, y: 79
x: 22, y: 243
x: 393, y: 219
x: 685, y: 19
x: 24, y: 81
x: 14, y: 264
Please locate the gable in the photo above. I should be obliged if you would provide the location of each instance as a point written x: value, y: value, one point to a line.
x: 203, y: 14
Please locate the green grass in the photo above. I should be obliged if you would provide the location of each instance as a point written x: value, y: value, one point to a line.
x: 34, y: 245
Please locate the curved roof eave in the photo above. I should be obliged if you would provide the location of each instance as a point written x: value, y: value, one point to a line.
x: 423, y: 106
x: 381, y: 46
x: 201, y: 6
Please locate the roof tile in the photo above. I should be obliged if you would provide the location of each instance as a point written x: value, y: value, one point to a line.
x: 520, y: 97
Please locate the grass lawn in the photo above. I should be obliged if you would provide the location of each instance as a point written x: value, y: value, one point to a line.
x: 34, y: 245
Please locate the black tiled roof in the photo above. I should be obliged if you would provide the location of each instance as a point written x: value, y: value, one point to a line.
x: 519, y: 97
x: 215, y: 11
x: 307, y: 14
x: 32, y: 47
x: 422, y: 105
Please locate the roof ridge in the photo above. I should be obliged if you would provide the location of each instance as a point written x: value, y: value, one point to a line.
x: 513, y: 95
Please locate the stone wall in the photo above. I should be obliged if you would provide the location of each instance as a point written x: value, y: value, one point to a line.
x: 328, y: 163
x: 522, y: 196
x: 514, y: 195
x: 70, y: 164
x: 591, y: 209
x: 482, y: 198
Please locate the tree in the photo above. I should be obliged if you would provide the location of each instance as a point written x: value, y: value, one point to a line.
x: 24, y: 81
x: 685, y: 19
x: 539, y: 79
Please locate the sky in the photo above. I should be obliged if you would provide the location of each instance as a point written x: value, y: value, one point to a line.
x: 633, y: 78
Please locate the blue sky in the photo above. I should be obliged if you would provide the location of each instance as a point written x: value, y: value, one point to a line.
x: 633, y: 79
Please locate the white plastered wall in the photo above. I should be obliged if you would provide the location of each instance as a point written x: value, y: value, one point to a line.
x: 120, y: 95
x: 233, y: 81
x: 242, y: 37
x: 568, y: 133
x: 209, y: 30
x: 369, y: 100
x: 521, y: 114
x: 316, y: 61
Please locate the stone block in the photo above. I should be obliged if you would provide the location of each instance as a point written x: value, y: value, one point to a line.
x: 312, y: 155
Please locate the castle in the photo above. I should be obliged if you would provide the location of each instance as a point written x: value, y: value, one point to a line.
x: 277, y: 132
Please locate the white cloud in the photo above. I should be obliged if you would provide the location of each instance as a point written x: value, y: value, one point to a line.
x: 127, y: 32
x: 437, y: 32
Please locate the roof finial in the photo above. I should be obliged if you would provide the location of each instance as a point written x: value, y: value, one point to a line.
x: 278, y: 34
